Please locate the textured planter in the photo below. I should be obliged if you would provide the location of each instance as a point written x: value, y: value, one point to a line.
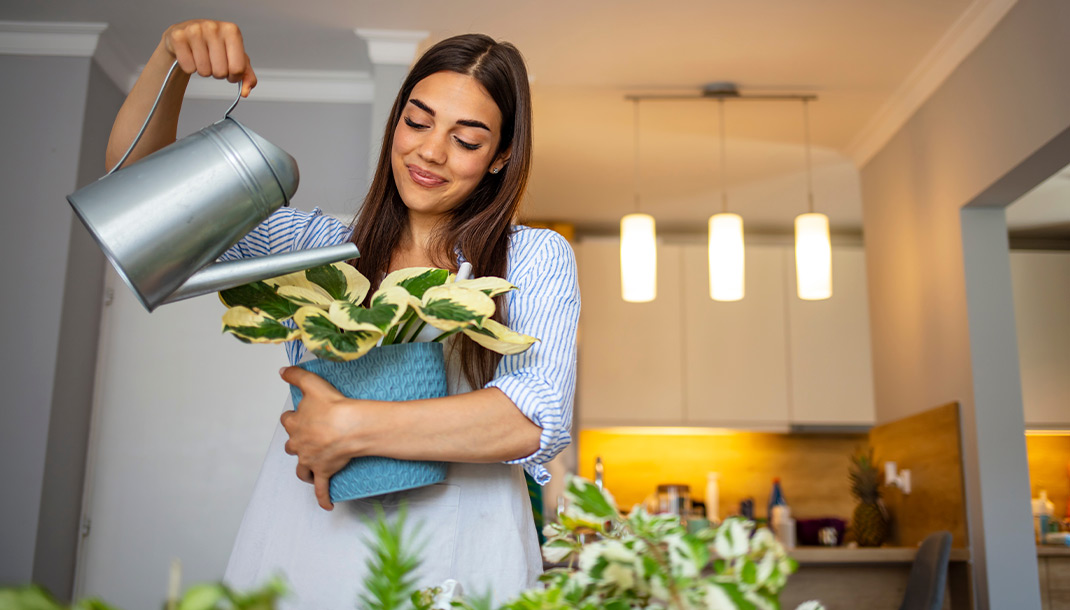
x: 407, y: 371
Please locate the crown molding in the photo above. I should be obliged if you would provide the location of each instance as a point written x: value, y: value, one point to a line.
x: 955, y: 46
x: 49, y: 38
x: 322, y: 86
x: 392, y: 47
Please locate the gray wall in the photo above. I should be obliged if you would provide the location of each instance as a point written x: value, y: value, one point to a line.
x: 52, y: 308
x: 329, y: 141
x: 1002, y: 104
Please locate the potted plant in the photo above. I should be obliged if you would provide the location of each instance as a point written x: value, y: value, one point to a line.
x: 373, y: 352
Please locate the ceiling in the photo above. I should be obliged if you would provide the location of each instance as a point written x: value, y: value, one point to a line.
x: 864, y: 59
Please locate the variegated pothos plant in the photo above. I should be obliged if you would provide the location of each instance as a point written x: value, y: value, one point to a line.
x: 323, y: 307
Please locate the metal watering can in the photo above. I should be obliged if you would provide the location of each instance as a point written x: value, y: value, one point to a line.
x: 164, y: 220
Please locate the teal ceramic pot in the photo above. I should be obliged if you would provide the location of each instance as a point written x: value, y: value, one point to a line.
x: 407, y: 371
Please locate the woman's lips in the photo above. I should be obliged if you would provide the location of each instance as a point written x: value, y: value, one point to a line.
x: 424, y: 178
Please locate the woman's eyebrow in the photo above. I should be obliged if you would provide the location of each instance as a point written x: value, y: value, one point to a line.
x: 465, y: 122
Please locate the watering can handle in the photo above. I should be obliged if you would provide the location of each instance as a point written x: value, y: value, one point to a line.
x: 152, y: 111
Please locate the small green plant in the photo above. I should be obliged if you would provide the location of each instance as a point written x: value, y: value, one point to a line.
x: 325, y: 306
x: 208, y: 596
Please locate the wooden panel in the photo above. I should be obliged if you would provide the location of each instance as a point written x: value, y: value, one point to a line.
x: 1058, y: 582
x: 1045, y: 596
x: 629, y: 353
x: 1041, y: 283
x: 928, y: 444
x: 829, y: 346
x: 735, y: 365
x: 812, y: 468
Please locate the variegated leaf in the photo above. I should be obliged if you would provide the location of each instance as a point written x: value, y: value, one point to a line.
x: 490, y: 285
x: 342, y: 281
x: 450, y: 307
x: 323, y: 338
x: 306, y: 295
x: 416, y: 280
x: 499, y: 338
x: 255, y: 327
x: 386, y: 309
x: 259, y: 296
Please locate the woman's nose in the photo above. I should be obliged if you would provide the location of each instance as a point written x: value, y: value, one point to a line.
x: 433, y: 148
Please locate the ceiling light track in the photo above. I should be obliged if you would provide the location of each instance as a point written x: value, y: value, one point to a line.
x: 721, y: 92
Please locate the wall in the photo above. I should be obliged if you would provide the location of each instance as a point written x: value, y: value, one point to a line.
x: 1003, y: 103
x: 329, y: 141
x: 47, y: 303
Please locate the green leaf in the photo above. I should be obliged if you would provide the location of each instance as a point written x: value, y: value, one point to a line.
x: 341, y: 281
x: 498, y: 338
x: 451, y: 307
x: 416, y: 280
x: 489, y: 285
x: 253, y: 327
x: 202, y: 597
x: 31, y: 597
x: 323, y: 338
x: 586, y: 496
x: 259, y: 296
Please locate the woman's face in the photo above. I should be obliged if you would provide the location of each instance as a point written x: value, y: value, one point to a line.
x: 445, y: 142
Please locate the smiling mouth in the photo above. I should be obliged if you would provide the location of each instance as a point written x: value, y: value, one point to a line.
x: 424, y: 178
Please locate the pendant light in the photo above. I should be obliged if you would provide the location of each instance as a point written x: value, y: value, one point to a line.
x: 725, y: 249
x: 638, y: 247
x: 813, y: 249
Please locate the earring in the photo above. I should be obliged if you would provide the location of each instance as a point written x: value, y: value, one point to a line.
x: 494, y: 170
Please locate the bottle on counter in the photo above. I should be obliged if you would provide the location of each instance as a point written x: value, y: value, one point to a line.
x: 776, y: 498
x: 713, y: 497
x: 1043, y: 509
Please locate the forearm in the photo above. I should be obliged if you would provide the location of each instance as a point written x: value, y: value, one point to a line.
x: 480, y: 426
x: 163, y: 128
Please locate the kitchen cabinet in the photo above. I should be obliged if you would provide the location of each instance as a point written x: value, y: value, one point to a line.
x: 1041, y: 284
x: 829, y: 349
x: 766, y: 362
x: 735, y: 370
x: 630, y: 357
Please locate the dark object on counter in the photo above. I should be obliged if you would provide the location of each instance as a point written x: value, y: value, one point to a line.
x: 746, y: 509
x: 928, y: 575
x: 808, y: 531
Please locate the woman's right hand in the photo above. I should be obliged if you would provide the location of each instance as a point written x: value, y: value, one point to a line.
x: 210, y: 48
x: 202, y: 46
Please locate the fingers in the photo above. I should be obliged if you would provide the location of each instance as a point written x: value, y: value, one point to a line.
x: 323, y: 492
x: 305, y: 381
x: 211, y: 48
x: 304, y: 473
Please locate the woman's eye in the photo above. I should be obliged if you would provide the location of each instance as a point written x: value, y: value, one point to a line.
x: 467, y: 145
x: 414, y: 124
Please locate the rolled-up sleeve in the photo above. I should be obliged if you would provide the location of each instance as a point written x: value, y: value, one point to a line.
x: 545, y: 305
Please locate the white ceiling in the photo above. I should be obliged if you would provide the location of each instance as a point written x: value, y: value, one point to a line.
x: 869, y: 61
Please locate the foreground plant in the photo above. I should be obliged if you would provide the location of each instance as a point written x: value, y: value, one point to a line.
x: 325, y: 306
x: 208, y: 596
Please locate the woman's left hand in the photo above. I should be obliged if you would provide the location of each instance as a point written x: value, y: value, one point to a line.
x: 320, y: 430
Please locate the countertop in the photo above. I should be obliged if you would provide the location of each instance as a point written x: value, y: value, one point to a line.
x: 1052, y: 550
x: 821, y: 555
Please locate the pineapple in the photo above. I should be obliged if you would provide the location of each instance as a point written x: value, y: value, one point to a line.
x: 868, y: 523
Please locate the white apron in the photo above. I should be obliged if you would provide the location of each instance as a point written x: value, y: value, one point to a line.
x: 476, y: 527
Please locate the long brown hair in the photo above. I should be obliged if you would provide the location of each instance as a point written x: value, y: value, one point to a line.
x: 479, y: 226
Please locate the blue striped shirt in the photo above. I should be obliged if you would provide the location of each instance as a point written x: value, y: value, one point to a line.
x: 546, y: 304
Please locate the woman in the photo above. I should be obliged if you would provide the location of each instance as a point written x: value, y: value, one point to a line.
x: 454, y: 163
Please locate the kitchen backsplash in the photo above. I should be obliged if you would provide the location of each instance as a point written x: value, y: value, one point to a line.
x: 1049, y: 461
x: 812, y: 467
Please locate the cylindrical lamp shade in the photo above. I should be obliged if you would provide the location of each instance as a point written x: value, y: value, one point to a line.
x: 638, y: 258
x: 813, y: 257
x: 726, y: 257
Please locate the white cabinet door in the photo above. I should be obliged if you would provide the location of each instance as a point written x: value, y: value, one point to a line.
x: 735, y: 369
x: 629, y: 353
x: 830, y: 357
x: 1041, y: 283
